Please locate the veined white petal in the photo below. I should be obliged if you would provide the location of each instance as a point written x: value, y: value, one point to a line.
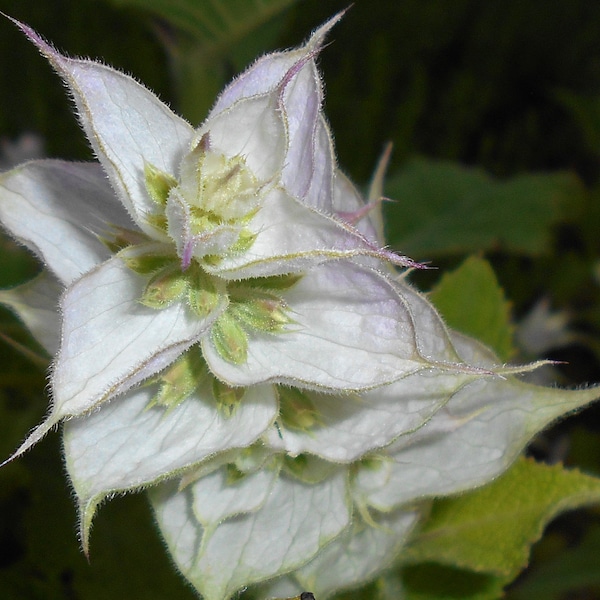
x: 358, y: 555
x: 268, y: 71
x: 262, y: 77
x: 320, y: 193
x: 295, y: 522
x: 351, y: 332
x: 252, y: 128
x: 473, y: 439
x: 126, y: 445
x: 110, y: 341
x: 433, y: 340
x: 58, y: 210
x: 127, y: 125
x: 300, y: 107
x: 350, y: 426
x: 216, y: 499
x: 292, y: 237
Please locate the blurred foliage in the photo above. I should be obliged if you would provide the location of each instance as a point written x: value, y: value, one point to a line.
x: 572, y: 570
x: 472, y: 302
x: 495, y: 525
x: 494, y: 111
x: 207, y: 40
x: 444, y: 207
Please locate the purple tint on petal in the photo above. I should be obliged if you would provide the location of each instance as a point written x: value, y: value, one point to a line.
x: 188, y: 250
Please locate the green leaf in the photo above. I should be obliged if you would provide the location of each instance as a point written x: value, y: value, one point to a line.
x: 472, y: 302
x: 575, y: 569
x: 491, y: 529
x: 444, y: 207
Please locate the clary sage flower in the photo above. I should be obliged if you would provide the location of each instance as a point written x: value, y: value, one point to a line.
x: 229, y: 331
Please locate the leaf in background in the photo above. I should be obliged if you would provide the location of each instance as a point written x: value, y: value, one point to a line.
x: 472, y: 302
x: 220, y: 33
x: 215, y: 23
x: 444, y: 207
x: 430, y: 581
x: 585, y: 110
x: 491, y: 529
x: 40, y: 560
x: 576, y: 569
x: 387, y: 587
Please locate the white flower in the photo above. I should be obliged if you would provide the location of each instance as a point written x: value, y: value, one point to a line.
x: 187, y: 248
x: 229, y: 336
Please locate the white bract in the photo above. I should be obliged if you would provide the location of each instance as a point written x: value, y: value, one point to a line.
x: 227, y: 329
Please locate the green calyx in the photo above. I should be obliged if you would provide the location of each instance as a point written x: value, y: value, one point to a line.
x: 230, y: 339
x: 189, y: 375
x: 204, y: 291
x: 308, y: 469
x: 255, y: 306
x: 180, y: 380
x: 166, y: 286
x: 117, y: 238
x: 168, y: 282
x: 148, y: 263
x: 266, y: 314
x: 297, y: 409
x: 227, y: 398
x: 158, y: 184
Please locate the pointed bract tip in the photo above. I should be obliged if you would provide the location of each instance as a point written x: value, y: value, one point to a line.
x: 318, y: 35
x: 44, y: 47
x: 403, y: 261
x: 87, y: 511
x: 33, y: 438
x: 377, y: 182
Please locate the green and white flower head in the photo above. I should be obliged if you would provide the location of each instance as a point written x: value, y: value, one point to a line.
x: 228, y: 330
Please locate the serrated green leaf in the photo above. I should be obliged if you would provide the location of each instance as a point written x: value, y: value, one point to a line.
x: 472, y: 302
x: 444, y: 207
x: 491, y: 529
